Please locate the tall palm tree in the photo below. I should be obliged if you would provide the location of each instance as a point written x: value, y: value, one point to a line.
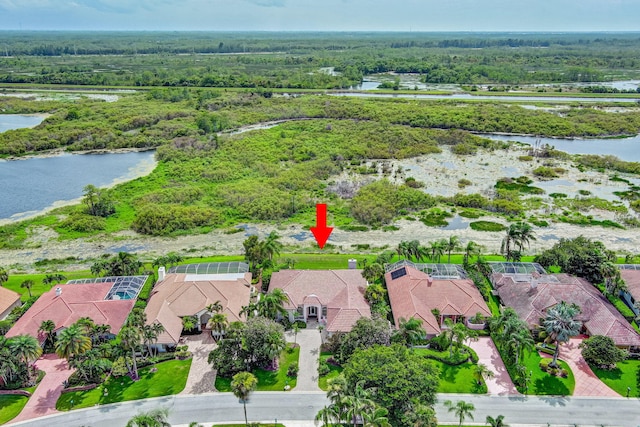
x: 453, y: 244
x: 272, y: 246
x: 153, y: 418
x: 436, y: 249
x: 376, y: 417
x: 9, y: 363
x: 509, y: 241
x: 272, y: 304
x: 411, y: 331
x: 520, y: 341
x: 471, y: 249
x: 4, y: 276
x: 561, y: 325
x: 481, y: 372
x: 218, y: 324
x: 403, y: 249
x: 130, y: 338
x: 358, y: 403
x: 497, y: 421
x: 336, y: 393
x: 72, y: 341
x: 150, y: 334
x: 461, y: 409
x: 25, y: 348
x: 242, y: 384
x: 416, y: 251
x: 47, y: 327
x: 56, y: 278
x: 124, y: 264
x: 525, y: 235
x: 27, y: 284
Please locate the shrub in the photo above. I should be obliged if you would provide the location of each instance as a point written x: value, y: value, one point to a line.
x: 525, y: 158
x: 462, y: 183
x: 165, y: 219
x: 486, y: 226
x: 84, y: 223
x: 323, y: 369
x: 293, y: 370
x: 545, y: 172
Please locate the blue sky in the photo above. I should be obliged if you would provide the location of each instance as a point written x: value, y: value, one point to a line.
x: 322, y: 15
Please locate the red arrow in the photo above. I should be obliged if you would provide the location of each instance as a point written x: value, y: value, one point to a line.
x: 321, y: 232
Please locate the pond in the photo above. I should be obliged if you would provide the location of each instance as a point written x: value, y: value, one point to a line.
x: 33, y: 184
x: 18, y: 121
x: 627, y: 149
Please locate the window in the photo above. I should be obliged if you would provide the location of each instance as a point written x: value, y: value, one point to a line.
x: 300, y: 310
x: 324, y: 311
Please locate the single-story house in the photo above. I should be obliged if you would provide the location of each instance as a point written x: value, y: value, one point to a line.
x: 65, y: 304
x: 180, y: 294
x: 533, y: 294
x: 413, y: 293
x: 333, y: 298
x: 8, y: 301
x: 632, y: 278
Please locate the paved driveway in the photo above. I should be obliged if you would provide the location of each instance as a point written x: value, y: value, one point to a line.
x: 309, y: 341
x: 43, y: 401
x: 201, y: 377
x: 587, y: 383
x: 488, y: 355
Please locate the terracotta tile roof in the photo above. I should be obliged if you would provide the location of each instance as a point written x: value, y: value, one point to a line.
x: 7, y: 299
x: 632, y: 279
x: 341, y: 291
x: 597, y: 314
x: 415, y: 294
x: 178, y: 296
x: 75, y: 301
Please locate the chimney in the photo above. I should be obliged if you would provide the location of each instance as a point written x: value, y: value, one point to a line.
x: 161, y: 274
x: 533, y: 284
x: 353, y: 264
x: 58, y: 291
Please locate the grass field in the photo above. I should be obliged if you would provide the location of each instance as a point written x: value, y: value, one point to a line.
x: 334, y: 371
x: 625, y: 375
x: 10, y: 406
x: 269, y: 380
x: 170, y: 378
x: 542, y: 383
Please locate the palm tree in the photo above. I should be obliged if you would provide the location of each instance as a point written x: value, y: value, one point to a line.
x: 71, y: 342
x: 150, y: 334
x: 416, y: 251
x: 517, y: 235
x: 437, y: 250
x: 520, y: 341
x: 372, y: 272
x: 56, y: 278
x: 561, y: 325
x: 4, y: 276
x: 497, y: 421
x: 482, y: 266
x: 9, y: 364
x: 357, y: 403
x: 384, y: 258
x: 462, y: 409
x: 481, y: 372
x: 153, y: 418
x: 376, y: 417
x: 421, y: 416
x: 25, y: 348
x: 460, y: 333
x: 403, y: 249
x: 47, y: 327
x: 27, y: 284
x: 272, y: 246
x: 272, y: 304
x: 130, y: 337
x: 525, y: 235
x: 248, y: 310
x: 612, y: 280
x: 508, y: 241
x: 189, y: 323
x: 453, y: 244
x: 471, y: 249
x: 411, y: 331
x: 124, y: 264
x: 242, y: 384
x: 218, y: 324
x: 215, y: 307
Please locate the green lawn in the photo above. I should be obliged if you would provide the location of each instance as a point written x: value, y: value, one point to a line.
x: 170, y: 378
x: 269, y: 380
x: 10, y: 406
x: 334, y: 371
x: 542, y: 383
x: 455, y: 379
x: 625, y: 375
x: 38, y: 288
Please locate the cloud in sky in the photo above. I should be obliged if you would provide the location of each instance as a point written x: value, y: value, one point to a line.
x: 322, y: 15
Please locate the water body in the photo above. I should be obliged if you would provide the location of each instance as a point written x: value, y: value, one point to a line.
x: 34, y: 184
x: 18, y: 121
x: 466, y: 96
x: 625, y: 148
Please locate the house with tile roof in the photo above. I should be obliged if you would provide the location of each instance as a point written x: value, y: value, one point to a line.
x: 180, y: 294
x: 65, y: 304
x: 333, y: 298
x: 531, y: 295
x: 631, y: 276
x: 8, y: 301
x: 413, y: 293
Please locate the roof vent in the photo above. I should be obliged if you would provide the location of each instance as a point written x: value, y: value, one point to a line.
x: 58, y: 291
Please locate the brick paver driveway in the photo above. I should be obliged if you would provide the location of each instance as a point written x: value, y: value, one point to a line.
x: 309, y: 341
x: 201, y: 377
x: 43, y: 401
x: 587, y: 383
x: 488, y: 355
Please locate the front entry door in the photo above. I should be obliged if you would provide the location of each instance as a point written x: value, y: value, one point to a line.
x: 313, y: 311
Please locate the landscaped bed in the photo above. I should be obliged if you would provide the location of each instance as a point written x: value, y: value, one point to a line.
x: 625, y: 375
x: 455, y: 377
x: 542, y: 383
x: 270, y: 380
x: 169, y: 378
x: 334, y: 371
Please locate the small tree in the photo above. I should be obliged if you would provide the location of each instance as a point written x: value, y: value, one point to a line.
x: 4, y: 276
x: 27, y: 284
x: 497, y: 421
x: 602, y: 352
x: 242, y: 384
x: 461, y: 408
x: 153, y: 418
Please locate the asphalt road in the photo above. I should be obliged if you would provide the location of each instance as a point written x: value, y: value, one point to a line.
x: 267, y: 406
